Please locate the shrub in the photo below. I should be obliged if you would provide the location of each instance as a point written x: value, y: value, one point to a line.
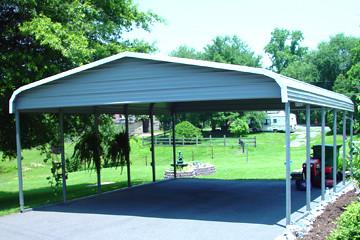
x: 73, y: 165
x: 186, y: 130
x: 239, y: 127
x: 348, y: 224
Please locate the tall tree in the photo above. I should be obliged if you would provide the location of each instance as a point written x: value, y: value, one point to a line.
x: 42, y: 38
x: 284, y: 48
x: 184, y: 51
x: 223, y: 49
x: 333, y: 58
x: 304, y: 70
x: 231, y: 49
x: 349, y: 84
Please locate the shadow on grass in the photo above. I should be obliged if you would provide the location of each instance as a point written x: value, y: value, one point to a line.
x: 245, y: 201
x: 9, y: 201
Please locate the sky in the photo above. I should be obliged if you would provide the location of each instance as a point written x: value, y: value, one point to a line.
x: 196, y: 22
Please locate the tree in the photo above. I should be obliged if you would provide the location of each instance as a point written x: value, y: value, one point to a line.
x: 349, y: 84
x: 239, y: 127
x: 285, y: 48
x: 231, y: 49
x: 304, y: 70
x: 334, y: 58
x: 186, y: 52
x: 185, y: 129
x: 42, y: 38
x: 223, y: 49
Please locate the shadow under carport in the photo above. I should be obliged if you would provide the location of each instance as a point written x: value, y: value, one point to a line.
x: 239, y: 201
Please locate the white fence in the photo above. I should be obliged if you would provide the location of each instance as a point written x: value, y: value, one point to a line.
x: 209, y: 141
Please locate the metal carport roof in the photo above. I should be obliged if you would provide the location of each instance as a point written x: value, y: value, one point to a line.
x: 146, y: 84
x: 187, y: 85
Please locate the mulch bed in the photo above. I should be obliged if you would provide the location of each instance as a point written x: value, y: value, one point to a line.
x: 326, y: 222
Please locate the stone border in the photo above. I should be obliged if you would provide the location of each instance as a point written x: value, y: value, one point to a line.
x: 303, y: 225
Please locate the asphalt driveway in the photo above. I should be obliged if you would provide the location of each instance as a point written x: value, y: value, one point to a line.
x: 179, y: 209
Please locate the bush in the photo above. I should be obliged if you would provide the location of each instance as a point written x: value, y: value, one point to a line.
x: 348, y: 224
x: 186, y: 130
x: 73, y: 165
x: 239, y: 127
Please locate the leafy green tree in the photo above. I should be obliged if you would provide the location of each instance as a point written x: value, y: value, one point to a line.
x: 223, y: 49
x: 231, y: 49
x: 255, y: 119
x: 239, y: 127
x: 42, y: 38
x: 185, y: 129
x: 304, y: 70
x: 285, y: 48
x: 223, y: 120
x: 334, y: 58
x: 187, y: 52
x: 349, y: 84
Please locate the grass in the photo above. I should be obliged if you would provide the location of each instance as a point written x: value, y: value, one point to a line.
x: 266, y: 161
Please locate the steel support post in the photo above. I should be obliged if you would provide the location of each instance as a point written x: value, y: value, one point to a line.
x: 288, y: 168
x: 308, y: 175
x: 98, y: 172
x: 151, y: 113
x: 334, y: 151
x: 322, y: 154
x: 351, y: 143
x: 173, y: 141
x: 62, y: 152
x: 126, y: 111
x: 19, y: 160
x: 344, y: 148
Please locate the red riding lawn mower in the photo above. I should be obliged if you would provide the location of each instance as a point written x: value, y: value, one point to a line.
x: 315, y: 169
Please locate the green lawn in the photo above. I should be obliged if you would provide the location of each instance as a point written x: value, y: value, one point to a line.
x: 266, y: 161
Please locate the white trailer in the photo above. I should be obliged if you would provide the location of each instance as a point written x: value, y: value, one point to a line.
x: 275, y: 121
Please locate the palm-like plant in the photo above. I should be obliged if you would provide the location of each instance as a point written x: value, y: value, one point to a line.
x: 88, y: 150
x: 118, y: 150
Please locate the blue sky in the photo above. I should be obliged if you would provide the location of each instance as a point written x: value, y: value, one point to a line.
x: 196, y: 22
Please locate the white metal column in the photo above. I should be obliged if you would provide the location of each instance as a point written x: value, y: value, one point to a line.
x: 151, y: 113
x: 128, y: 136
x: 322, y: 154
x: 351, y: 143
x: 98, y: 173
x: 334, y: 151
x: 19, y: 160
x: 173, y: 141
x: 62, y: 152
x: 344, y: 149
x: 308, y: 175
x: 288, y: 168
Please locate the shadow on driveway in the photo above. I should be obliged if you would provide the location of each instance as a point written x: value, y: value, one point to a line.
x: 239, y: 201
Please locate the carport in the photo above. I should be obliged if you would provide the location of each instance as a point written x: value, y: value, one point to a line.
x: 135, y: 83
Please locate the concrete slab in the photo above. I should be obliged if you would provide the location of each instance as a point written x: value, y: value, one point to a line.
x: 181, y: 209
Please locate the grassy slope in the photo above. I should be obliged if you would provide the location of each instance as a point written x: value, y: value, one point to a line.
x: 264, y: 162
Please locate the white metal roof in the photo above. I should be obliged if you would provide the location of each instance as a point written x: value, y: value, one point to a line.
x: 139, y: 79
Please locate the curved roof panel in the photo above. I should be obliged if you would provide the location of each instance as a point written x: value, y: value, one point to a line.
x: 188, y: 85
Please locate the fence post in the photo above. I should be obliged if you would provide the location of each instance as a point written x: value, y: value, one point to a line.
x: 183, y: 141
x: 197, y: 140
x: 224, y: 140
x: 169, y: 140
